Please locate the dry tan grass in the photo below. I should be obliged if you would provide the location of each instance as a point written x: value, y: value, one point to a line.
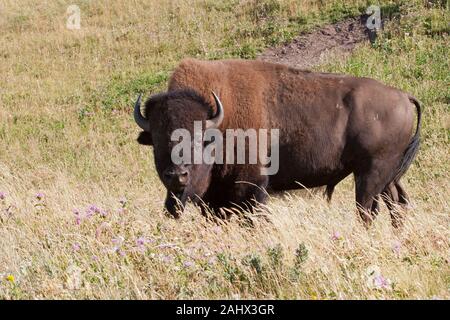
x: 57, y: 137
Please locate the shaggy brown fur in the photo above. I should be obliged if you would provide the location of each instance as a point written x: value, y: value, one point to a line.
x: 330, y: 126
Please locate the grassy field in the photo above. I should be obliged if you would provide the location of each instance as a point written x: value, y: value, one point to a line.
x: 81, y: 204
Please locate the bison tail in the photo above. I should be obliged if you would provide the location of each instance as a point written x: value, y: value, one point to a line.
x: 413, y: 147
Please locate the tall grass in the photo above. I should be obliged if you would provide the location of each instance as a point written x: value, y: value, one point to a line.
x: 98, y: 231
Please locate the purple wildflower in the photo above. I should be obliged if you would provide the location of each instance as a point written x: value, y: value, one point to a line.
x: 381, y: 282
x: 2, y: 195
x: 188, y: 264
x: 336, y: 236
x: 76, y: 246
x: 39, y: 196
x: 375, y: 280
x: 94, y: 209
x: 141, y: 241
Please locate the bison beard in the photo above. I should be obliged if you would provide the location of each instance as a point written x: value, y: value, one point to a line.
x: 330, y: 126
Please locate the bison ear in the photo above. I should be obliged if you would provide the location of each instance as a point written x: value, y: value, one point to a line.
x: 145, y: 138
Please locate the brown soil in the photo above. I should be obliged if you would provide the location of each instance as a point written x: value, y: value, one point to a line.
x: 314, y: 48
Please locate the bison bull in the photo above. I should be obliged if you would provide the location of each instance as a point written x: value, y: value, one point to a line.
x: 330, y: 126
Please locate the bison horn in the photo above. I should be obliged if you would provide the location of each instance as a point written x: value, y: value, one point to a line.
x: 218, y: 118
x: 139, y: 118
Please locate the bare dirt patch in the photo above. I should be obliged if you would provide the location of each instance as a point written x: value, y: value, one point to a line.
x: 314, y: 48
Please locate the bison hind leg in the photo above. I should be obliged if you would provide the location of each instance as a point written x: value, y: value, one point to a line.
x: 397, y: 201
x: 369, y: 184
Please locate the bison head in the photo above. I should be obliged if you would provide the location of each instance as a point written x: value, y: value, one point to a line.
x: 163, y: 114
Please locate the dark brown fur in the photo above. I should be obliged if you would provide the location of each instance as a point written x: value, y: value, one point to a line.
x: 330, y: 126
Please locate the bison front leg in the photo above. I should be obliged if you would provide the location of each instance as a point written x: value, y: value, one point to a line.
x: 248, y: 195
x: 243, y: 192
x: 249, y: 188
x: 243, y: 196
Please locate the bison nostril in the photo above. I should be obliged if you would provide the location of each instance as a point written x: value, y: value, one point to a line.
x: 176, y: 178
x: 183, y: 178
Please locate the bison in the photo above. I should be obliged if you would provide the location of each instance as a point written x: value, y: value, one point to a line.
x: 330, y: 125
